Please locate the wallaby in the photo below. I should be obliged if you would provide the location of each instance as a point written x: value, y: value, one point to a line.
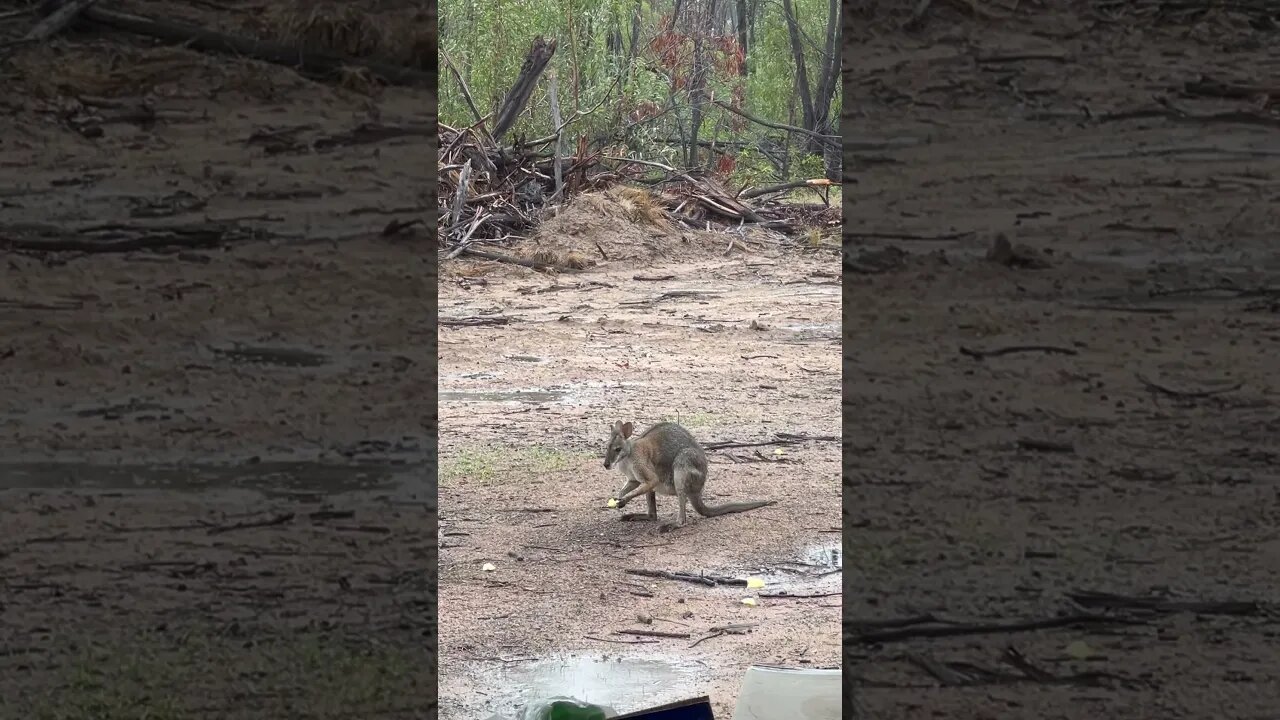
x: 664, y: 459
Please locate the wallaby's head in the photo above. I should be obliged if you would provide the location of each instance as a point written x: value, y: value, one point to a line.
x: 619, y: 443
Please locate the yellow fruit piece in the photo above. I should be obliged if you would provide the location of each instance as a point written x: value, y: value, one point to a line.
x: 488, y: 567
x: 750, y: 602
x: 613, y: 502
x: 755, y: 582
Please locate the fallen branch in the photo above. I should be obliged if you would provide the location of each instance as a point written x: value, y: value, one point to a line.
x: 873, y: 235
x: 490, y: 255
x: 1185, y: 394
x: 620, y: 642
x: 715, y: 632
x: 757, y: 192
x: 653, y: 633
x: 934, y: 631
x: 708, y: 580
x: 186, y: 236
x: 1035, y: 445
x: 279, y: 519
x: 833, y: 140
x: 1109, y: 601
x: 1010, y: 350
x: 473, y: 321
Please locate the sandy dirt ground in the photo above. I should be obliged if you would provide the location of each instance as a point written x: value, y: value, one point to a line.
x: 534, y: 369
x: 214, y: 490
x: 1135, y: 456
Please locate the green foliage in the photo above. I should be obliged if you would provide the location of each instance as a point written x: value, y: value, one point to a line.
x: 487, y: 40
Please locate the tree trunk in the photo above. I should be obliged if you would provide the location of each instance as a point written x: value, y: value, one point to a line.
x: 802, y: 74
x: 742, y: 33
x: 830, y: 78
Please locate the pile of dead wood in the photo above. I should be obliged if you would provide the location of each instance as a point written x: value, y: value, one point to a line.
x: 497, y: 195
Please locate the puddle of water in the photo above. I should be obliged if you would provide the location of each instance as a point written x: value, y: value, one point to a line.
x: 623, y: 684
x: 820, y: 327
x: 502, y: 396
x: 825, y: 556
x: 268, y: 477
x: 814, y: 568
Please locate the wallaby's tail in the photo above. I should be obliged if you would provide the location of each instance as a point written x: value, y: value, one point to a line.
x: 706, y: 510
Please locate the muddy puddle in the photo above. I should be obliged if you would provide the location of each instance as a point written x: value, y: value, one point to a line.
x: 623, y: 684
x: 284, y: 478
x: 814, y: 569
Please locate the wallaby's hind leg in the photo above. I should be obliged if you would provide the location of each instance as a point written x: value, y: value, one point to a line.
x: 687, y: 479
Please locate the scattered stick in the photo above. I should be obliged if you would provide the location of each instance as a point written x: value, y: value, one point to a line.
x: 619, y: 642
x: 1010, y: 350
x: 1185, y: 394
x: 708, y: 580
x: 715, y: 632
x: 873, y: 235
x: 778, y: 439
x: 1109, y: 601
x: 1049, y: 446
x: 534, y: 264
x: 673, y: 294
x: 653, y: 633
x: 474, y: 321
x: 833, y: 140
x: 188, y: 236
x: 887, y: 623
x: 653, y: 278
x: 279, y: 519
x: 790, y: 596
x: 906, y: 633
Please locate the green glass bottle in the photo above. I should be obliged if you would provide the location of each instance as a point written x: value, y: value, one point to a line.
x: 564, y: 709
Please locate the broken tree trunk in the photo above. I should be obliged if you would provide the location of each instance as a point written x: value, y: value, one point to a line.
x: 534, y: 63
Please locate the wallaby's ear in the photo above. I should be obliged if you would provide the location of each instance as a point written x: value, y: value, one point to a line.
x: 626, y: 429
x: 616, y: 426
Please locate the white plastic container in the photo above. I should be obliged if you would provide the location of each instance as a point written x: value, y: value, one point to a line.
x: 778, y: 693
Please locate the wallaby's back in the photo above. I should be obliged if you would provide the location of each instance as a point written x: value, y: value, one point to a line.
x: 661, y: 444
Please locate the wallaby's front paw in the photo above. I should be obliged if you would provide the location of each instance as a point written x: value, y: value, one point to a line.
x: 668, y: 527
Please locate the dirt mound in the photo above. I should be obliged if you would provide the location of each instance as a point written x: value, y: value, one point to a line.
x: 619, y: 224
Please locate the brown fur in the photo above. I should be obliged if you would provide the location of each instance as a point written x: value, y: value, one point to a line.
x: 667, y: 460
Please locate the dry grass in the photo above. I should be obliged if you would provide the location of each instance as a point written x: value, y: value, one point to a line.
x: 642, y: 207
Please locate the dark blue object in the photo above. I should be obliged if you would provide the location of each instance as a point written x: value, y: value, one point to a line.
x: 694, y: 709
